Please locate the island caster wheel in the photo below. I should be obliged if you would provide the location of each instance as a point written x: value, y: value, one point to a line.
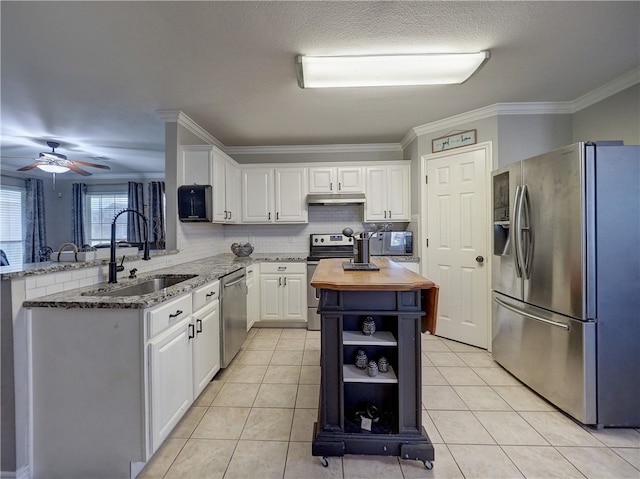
x: 428, y: 465
x: 325, y: 462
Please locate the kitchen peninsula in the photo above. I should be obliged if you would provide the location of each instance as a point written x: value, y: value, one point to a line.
x: 366, y: 408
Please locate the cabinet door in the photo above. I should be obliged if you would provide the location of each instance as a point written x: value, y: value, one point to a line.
x: 196, y: 167
x: 232, y: 192
x: 171, y: 380
x: 322, y: 180
x: 206, y: 346
x: 415, y: 267
x: 253, y: 297
x: 219, y: 189
x: 270, y: 296
x: 294, y: 300
x: 257, y: 195
x: 290, y: 195
x: 376, y: 193
x: 350, y: 180
x: 398, y: 194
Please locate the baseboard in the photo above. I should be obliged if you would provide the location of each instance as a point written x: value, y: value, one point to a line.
x: 22, y: 473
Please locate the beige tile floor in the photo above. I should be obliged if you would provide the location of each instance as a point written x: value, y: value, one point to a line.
x: 255, y: 421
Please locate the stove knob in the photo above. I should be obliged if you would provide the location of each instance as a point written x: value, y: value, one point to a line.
x: 315, y: 240
x: 322, y: 240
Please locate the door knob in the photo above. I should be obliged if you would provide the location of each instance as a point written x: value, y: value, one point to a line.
x: 480, y: 259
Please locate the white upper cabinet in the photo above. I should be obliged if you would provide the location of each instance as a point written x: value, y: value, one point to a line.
x: 207, y: 165
x: 196, y: 167
x: 274, y: 195
x: 343, y: 179
x: 388, y: 193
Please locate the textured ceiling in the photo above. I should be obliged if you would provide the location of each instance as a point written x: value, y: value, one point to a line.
x: 93, y: 74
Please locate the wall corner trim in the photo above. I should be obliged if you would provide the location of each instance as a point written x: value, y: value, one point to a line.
x: 177, y: 116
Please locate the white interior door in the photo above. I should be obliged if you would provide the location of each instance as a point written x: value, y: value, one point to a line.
x: 457, y: 228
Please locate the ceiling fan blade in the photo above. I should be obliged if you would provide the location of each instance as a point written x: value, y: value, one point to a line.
x: 93, y: 165
x: 28, y: 167
x: 78, y: 170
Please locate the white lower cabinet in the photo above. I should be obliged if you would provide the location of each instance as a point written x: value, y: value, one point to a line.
x: 206, y: 341
x: 415, y: 267
x: 253, y: 296
x: 170, y: 379
x: 283, y: 291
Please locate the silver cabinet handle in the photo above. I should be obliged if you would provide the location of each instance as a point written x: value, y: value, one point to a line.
x: 285, y: 280
x: 176, y: 314
x: 385, y: 213
x: 331, y: 186
x: 339, y: 186
x: 199, y: 326
x: 282, y: 268
x: 531, y: 316
x: 280, y: 281
x: 389, y: 214
x: 212, y: 293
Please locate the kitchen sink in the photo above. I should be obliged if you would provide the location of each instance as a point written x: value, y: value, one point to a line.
x: 147, y: 286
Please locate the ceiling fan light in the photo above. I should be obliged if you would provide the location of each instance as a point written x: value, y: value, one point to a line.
x: 53, y: 168
x: 387, y: 70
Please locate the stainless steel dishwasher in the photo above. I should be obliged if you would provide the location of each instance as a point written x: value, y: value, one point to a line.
x: 233, y: 314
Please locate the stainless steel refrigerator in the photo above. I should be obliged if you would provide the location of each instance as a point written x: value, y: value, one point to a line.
x: 566, y: 279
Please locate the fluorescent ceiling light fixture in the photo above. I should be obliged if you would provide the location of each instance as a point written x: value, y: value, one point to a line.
x: 53, y: 168
x: 387, y: 70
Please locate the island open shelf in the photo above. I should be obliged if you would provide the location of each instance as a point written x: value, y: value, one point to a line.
x: 358, y: 413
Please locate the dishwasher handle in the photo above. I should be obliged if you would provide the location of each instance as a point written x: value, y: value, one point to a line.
x: 233, y: 283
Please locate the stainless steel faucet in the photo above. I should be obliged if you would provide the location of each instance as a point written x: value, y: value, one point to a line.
x: 113, y: 266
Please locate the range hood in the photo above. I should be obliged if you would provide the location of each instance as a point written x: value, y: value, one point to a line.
x: 336, y: 199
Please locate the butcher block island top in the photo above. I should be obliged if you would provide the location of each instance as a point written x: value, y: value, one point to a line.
x: 391, y: 277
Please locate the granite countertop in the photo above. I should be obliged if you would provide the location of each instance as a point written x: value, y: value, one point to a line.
x: 208, y: 269
x: 46, y: 267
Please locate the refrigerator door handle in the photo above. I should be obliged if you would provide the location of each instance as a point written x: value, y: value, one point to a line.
x: 515, y: 233
x: 531, y: 316
x: 527, y: 230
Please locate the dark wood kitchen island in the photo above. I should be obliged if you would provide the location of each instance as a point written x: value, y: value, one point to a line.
x: 363, y: 410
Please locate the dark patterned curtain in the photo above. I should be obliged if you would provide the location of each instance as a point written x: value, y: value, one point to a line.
x: 156, y: 214
x: 78, y: 209
x: 36, y: 236
x: 135, y: 226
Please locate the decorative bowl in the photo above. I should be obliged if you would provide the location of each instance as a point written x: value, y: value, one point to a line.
x: 242, y: 250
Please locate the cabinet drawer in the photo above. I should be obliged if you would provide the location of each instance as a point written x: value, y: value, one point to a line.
x: 168, y: 314
x: 206, y: 294
x: 283, y: 268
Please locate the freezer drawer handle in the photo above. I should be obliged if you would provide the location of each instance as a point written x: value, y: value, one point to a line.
x: 531, y: 316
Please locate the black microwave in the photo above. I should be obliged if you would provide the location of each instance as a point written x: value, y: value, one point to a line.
x: 195, y: 203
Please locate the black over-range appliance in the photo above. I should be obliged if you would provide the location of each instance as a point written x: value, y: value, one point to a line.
x: 323, y: 246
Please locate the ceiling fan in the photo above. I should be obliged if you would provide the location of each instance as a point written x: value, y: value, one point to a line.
x: 53, y: 162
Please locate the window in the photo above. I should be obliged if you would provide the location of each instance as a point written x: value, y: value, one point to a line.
x: 102, y: 207
x: 12, y: 204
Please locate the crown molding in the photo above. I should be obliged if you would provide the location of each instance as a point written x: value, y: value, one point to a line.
x: 523, y: 108
x: 608, y: 89
x: 177, y: 116
x: 301, y: 149
x: 532, y: 108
